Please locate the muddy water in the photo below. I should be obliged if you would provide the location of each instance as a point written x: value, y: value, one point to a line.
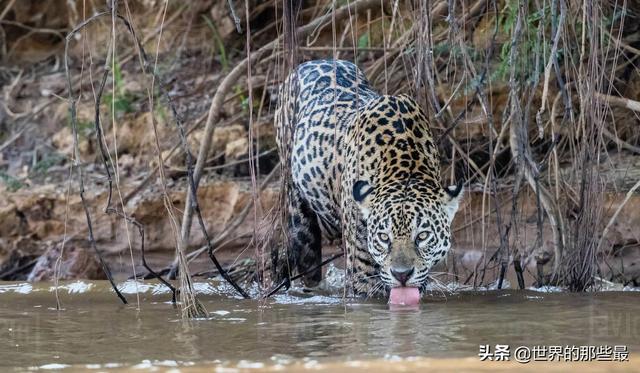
x: 296, y: 330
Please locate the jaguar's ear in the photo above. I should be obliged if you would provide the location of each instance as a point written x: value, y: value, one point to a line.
x: 452, y: 198
x: 362, y: 195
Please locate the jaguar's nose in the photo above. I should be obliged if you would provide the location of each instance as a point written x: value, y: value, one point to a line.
x: 402, y: 274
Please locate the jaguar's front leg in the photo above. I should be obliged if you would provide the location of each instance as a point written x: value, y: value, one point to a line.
x: 305, y: 240
x: 362, y: 270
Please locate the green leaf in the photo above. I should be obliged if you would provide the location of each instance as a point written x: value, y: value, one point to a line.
x: 363, y: 40
x: 11, y: 182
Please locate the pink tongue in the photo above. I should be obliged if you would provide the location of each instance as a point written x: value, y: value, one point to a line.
x: 404, y: 296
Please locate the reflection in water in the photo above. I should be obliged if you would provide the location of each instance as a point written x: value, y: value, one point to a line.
x: 95, y: 329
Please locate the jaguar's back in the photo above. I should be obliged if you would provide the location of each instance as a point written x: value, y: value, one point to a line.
x: 324, y: 97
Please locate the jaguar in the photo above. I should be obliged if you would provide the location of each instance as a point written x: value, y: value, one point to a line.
x: 362, y: 168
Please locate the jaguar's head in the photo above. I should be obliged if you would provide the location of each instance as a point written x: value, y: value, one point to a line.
x: 408, y: 227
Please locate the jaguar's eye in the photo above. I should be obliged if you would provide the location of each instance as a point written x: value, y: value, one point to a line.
x: 383, y: 237
x: 423, y: 236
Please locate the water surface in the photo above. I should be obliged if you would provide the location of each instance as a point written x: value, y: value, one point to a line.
x: 95, y: 331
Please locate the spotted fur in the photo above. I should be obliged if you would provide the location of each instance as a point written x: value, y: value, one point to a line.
x: 364, y: 169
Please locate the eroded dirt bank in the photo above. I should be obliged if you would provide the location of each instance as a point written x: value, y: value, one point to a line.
x: 199, y: 45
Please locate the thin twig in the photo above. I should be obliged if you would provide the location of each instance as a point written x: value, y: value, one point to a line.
x: 76, y: 152
x: 287, y: 282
